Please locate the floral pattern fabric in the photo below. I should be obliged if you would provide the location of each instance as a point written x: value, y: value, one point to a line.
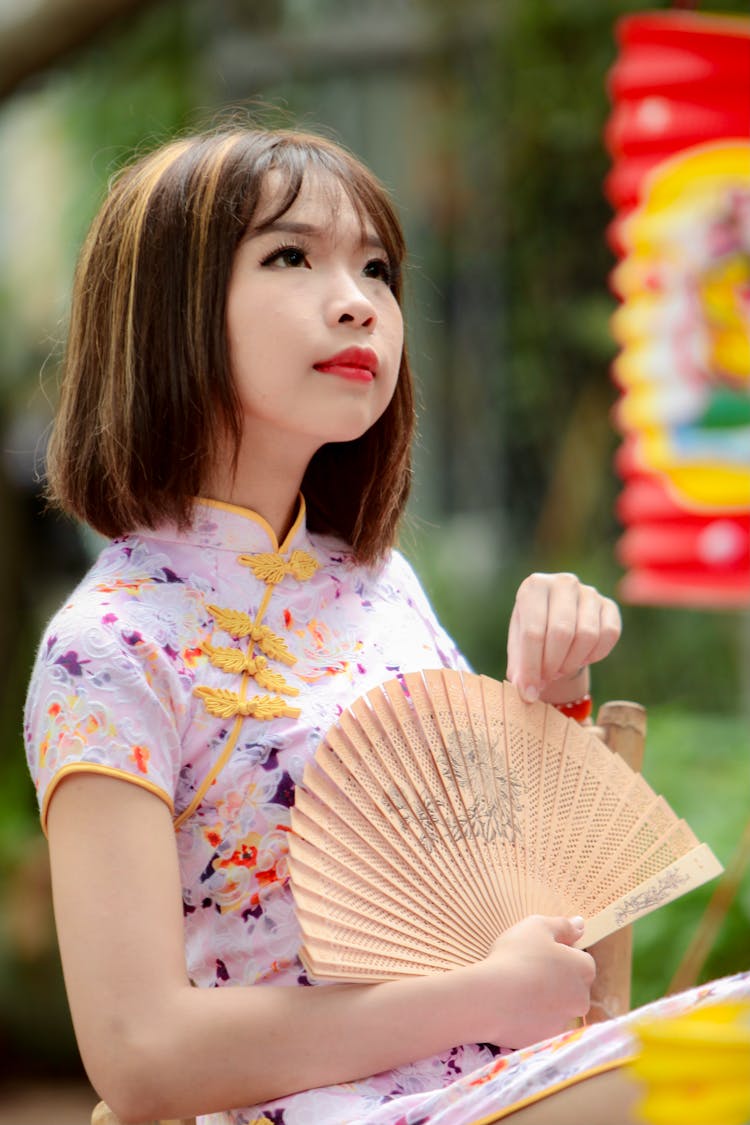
x: 205, y: 665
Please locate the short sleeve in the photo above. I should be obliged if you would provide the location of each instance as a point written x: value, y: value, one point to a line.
x: 101, y: 699
x: 412, y: 591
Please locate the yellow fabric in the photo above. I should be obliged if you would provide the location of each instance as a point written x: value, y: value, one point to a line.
x: 235, y: 661
x: 226, y: 704
x: 270, y: 567
x: 239, y: 625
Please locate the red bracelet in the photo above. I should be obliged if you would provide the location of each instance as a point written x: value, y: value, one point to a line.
x: 579, y: 709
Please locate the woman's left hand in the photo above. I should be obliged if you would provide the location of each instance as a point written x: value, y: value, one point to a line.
x: 558, y: 627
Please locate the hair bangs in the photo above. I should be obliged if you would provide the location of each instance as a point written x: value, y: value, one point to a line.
x: 296, y: 156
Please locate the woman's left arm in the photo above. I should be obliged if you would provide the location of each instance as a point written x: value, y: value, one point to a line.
x: 558, y: 628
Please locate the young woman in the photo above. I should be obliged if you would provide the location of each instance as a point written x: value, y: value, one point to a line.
x: 236, y: 414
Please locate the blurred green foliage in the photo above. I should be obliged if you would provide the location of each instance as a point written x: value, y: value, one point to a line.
x: 130, y: 90
x: 699, y: 762
x: 520, y: 129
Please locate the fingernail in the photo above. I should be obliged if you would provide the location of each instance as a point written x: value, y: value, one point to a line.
x: 578, y: 922
x: 530, y: 693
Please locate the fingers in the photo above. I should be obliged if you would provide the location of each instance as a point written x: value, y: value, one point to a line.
x: 566, y: 931
x: 558, y: 626
x: 526, y: 649
x: 572, y: 628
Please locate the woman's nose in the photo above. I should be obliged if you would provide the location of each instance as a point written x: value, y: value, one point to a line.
x: 350, y: 305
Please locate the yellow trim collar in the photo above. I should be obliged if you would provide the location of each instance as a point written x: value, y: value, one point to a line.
x: 254, y: 517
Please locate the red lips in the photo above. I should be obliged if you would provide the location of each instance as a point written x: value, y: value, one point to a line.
x: 358, y: 364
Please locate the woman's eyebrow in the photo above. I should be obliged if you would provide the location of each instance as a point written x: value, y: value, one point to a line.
x: 289, y: 226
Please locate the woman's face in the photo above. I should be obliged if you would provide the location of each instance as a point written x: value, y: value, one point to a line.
x: 315, y: 334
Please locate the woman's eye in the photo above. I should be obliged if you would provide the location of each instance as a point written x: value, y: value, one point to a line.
x: 379, y: 269
x: 286, y: 257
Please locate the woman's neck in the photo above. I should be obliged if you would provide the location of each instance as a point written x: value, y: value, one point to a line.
x: 268, y: 485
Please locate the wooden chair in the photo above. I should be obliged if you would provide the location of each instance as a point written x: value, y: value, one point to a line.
x: 622, y: 727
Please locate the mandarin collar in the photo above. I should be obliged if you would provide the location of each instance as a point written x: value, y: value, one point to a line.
x: 228, y: 527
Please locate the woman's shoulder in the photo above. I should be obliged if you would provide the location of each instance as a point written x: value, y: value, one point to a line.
x: 144, y: 557
x: 336, y: 554
x: 131, y: 623
x: 390, y: 581
x: 109, y: 665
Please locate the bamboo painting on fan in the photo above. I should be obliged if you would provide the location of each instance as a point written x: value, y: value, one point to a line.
x: 239, y: 295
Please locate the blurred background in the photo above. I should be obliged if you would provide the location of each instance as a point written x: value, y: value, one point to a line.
x: 485, y: 120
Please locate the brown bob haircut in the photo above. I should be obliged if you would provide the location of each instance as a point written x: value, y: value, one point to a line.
x: 147, y: 391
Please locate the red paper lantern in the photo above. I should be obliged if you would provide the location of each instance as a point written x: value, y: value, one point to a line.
x: 680, y: 185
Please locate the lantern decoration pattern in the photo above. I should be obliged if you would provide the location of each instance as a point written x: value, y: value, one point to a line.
x: 679, y: 137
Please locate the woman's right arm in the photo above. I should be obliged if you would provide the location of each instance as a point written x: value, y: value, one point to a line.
x: 154, y: 1046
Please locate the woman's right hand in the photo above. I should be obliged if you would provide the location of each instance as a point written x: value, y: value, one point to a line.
x: 533, y: 983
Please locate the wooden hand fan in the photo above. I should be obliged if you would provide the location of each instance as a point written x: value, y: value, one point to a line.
x: 441, y: 809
